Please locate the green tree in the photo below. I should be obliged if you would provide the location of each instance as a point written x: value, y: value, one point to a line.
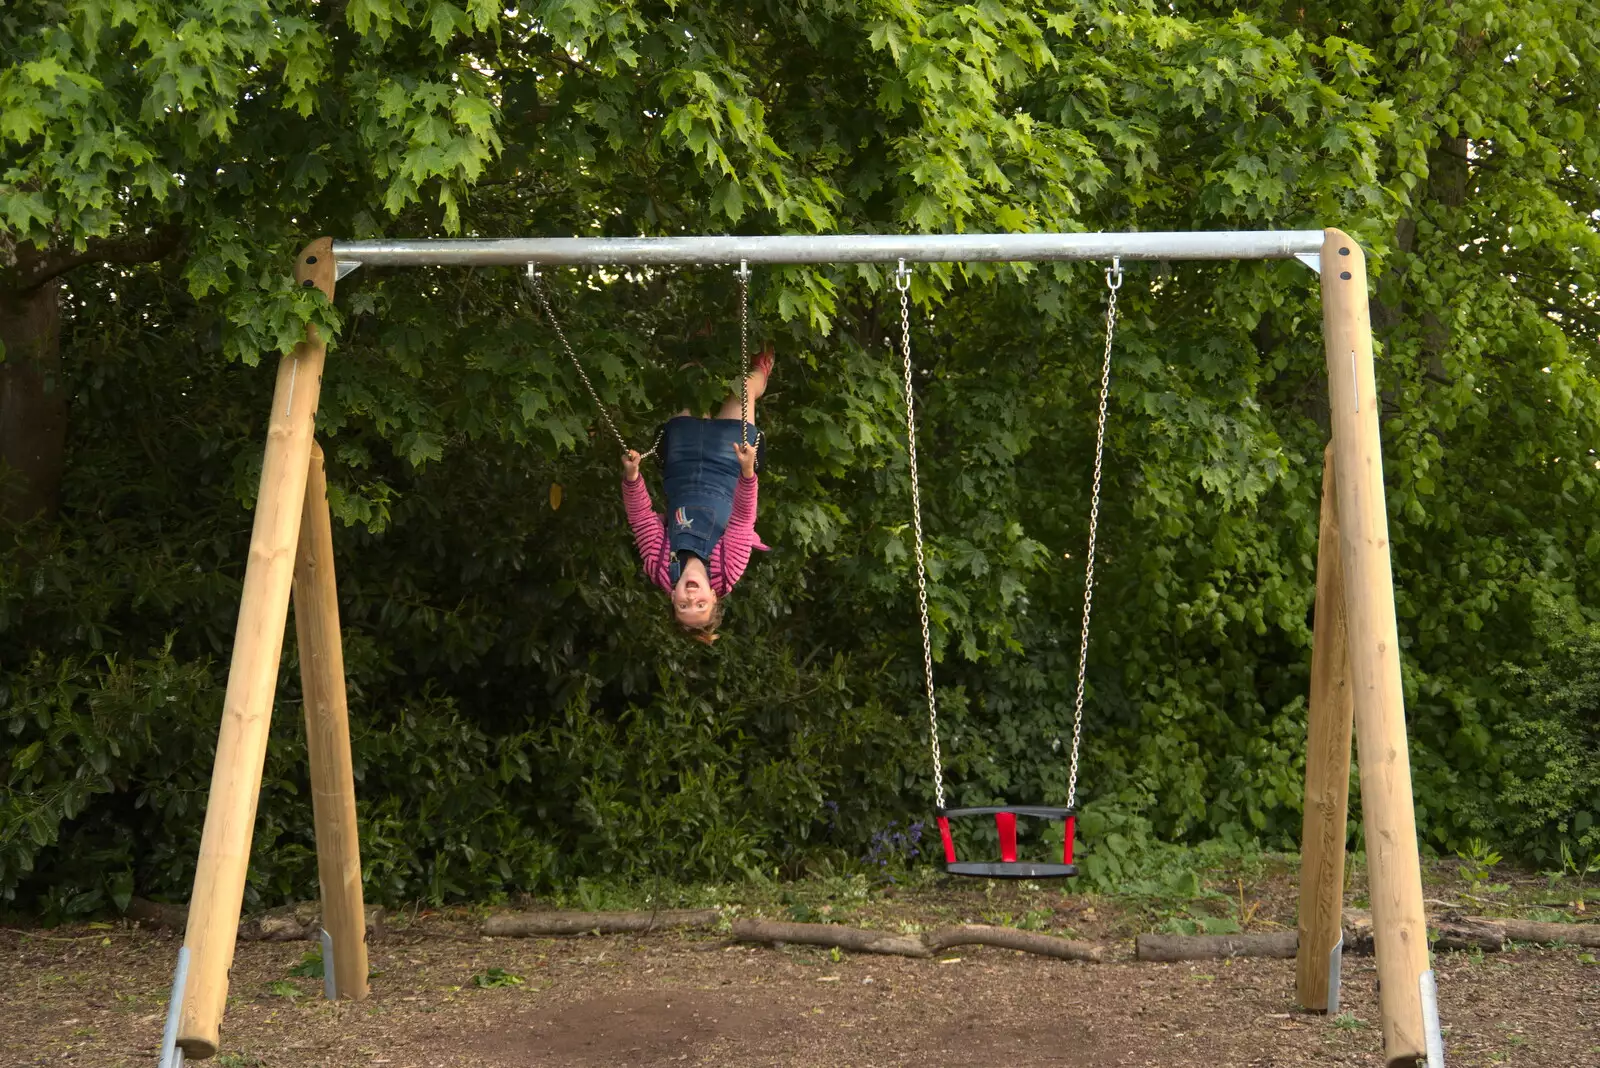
x: 522, y: 711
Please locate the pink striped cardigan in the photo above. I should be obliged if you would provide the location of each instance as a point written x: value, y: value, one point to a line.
x: 728, y: 559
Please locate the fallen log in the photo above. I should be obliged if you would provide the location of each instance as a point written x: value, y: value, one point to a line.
x: 973, y: 934
x: 157, y: 914
x: 1468, y: 933
x: 292, y: 923
x: 1450, y: 933
x: 1357, y: 933
x: 1575, y: 934
x: 855, y: 939
x: 524, y: 924
x: 859, y: 940
x: 1170, y: 947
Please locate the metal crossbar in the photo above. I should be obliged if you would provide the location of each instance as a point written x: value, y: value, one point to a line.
x: 841, y: 248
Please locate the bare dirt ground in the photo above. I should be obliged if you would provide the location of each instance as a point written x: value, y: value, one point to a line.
x: 96, y: 995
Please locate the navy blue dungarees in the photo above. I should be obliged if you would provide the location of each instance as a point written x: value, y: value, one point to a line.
x: 700, y: 473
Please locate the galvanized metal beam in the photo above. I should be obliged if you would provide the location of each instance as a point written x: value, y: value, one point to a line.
x: 843, y: 248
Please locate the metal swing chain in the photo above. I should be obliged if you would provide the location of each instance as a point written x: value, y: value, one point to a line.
x: 536, y: 283
x: 1113, y: 283
x: 902, y: 282
x: 743, y: 276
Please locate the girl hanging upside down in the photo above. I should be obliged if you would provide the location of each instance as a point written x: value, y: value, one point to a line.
x: 701, y: 548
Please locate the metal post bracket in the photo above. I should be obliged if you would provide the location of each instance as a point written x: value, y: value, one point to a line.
x: 1433, y: 1037
x: 330, y: 987
x: 171, y: 1052
x: 1335, y: 962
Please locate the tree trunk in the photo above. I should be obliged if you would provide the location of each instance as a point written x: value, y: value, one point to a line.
x: 33, y: 404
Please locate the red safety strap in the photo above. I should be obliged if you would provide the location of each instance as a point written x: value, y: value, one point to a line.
x: 1006, y: 824
x: 1066, y: 844
x: 949, y: 843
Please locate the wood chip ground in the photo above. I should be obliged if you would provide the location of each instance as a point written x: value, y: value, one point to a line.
x: 96, y: 996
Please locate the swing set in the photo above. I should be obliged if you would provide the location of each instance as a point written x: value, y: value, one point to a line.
x: 1355, y: 669
x: 1005, y: 816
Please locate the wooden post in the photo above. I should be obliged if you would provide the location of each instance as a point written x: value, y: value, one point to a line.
x: 1394, y: 871
x: 1327, y: 798
x: 333, y: 782
x: 252, y: 678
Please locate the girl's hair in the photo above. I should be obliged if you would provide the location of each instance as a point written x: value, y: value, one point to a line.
x: 707, y: 633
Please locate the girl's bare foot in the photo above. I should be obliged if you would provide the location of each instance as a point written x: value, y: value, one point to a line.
x: 755, y: 386
x: 760, y: 372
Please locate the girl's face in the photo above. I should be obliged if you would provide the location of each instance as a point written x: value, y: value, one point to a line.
x: 692, y: 598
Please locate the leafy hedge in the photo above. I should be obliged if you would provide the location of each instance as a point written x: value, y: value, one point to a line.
x: 523, y: 713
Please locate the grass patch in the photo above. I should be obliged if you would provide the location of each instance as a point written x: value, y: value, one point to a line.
x: 310, y: 966
x: 496, y: 977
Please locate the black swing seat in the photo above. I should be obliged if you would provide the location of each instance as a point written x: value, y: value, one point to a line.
x: 1009, y: 867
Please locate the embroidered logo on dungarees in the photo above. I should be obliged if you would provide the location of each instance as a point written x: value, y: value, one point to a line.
x: 682, y: 519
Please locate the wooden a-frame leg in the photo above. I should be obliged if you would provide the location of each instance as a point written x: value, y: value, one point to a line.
x: 333, y: 784
x: 252, y: 679
x: 1394, y: 869
x: 1327, y: 796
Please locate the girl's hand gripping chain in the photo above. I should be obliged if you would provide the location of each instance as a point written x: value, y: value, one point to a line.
x: 747, y: 459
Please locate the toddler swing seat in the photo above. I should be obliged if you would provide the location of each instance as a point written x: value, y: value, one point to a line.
x: 1009, y: 865
x: 1005, y: 822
